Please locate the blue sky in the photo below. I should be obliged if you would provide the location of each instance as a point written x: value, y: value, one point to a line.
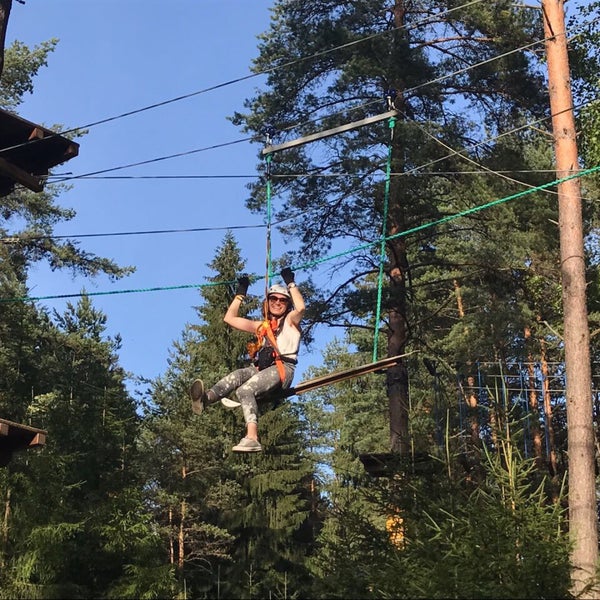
x: 117, y: 56
x: 114, y: 57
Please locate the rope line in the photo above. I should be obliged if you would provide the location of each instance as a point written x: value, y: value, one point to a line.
x: 466, y: 212
x: 266, y: 71
x: 269, y: 158
x: 131, y: 291
x: 386, y: 197
x: 307, y: 265
x: 294, y: 126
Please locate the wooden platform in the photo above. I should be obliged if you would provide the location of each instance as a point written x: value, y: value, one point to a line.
x: 28, y: 151
x: 14, y: 436
x: 311, y: 384
x: 388, y: 464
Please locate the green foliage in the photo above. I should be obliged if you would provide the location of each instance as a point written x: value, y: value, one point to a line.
x: 93, y: 521
x: 153, y: 504
x: 145, y: 583
x: 224, y: 515
x: 21, y: 65
x: 500, y: 539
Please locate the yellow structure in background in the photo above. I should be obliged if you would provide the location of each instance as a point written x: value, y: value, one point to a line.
x: 394, y: 525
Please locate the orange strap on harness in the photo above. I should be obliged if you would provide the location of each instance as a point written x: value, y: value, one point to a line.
x: 265, y: 329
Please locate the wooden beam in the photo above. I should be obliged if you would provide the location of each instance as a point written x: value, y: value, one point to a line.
x: 389, y: 464
x: 311, y: 384
x: 17, y: 174
x: 37, y: 133
x: 14, y: 436
x: 329, y: 132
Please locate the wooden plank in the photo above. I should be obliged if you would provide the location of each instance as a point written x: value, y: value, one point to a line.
x: 28, y: 151
x: 20, y: 426
x: 311, y: 384
x: 36, y: 134
x: 329, y: 132
x: 39, y: 439
x: 15, y: 436
x: 20, y: 176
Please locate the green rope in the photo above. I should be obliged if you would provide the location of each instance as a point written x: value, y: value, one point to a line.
x: 136, y: 291
x: 310, y: 264
x: 458, y: 215
x: 388, y: 171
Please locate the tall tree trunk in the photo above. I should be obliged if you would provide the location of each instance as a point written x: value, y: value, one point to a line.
x: 397, y: 376
x: 181, y: 537
x: 171, y: 538
x: 5, y: 527
x: 582, y: 494
x: 473, y: 413
x: 549, y: 419
x: 534, y: 409
x: 469, y: 392
x: 536, y: 432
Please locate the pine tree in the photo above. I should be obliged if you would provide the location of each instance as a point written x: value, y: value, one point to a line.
x: 433, y: 529
x: 341, y: 61
x: 76, y: 517
x: 225, y: 516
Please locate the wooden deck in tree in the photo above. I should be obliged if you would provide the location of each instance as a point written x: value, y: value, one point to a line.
x: 28, y: 151
x: 14, y: 436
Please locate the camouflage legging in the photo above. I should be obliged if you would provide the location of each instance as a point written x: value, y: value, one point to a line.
x: 249, y: 384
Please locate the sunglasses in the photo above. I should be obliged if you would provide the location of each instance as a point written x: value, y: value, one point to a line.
x: 278, y: 299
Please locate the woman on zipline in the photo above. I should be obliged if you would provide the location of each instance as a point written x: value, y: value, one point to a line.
x: 274, y: 355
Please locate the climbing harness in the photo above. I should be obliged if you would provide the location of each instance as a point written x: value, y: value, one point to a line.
x: 264, y: 352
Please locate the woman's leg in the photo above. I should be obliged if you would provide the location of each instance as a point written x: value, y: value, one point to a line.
x: 260, y: 384
x: 229, y: 383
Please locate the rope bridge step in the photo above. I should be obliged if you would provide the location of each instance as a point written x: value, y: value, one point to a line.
x: 311, y: 384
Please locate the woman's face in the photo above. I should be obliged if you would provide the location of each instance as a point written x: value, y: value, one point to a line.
x: 278, y: 304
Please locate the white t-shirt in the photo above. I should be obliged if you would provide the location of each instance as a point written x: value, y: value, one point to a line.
x: 288, y: 340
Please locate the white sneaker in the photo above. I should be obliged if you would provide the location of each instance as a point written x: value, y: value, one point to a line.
x: 248, y: 445
x: 227, y: 403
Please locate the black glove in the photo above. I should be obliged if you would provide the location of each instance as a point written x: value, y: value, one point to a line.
x: 243, y: 285
x: 287, y: 275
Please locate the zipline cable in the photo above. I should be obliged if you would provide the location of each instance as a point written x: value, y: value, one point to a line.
x: 268, y: 236
x: 363, y: 105
x: 318, y: 172
x: 268, y: 71
x: 307, y: 265
x: 449, y: 218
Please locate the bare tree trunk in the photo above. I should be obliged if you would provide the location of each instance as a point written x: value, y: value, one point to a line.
x: 534, y: 409
x: 459, y: 300
x: 473, y: 414
x: 397, y: 386
x: 548, y: 413
x: 181, y: 537
x: 469, y: 392
x: 582, y: 496
x: 5, y: 527
x: 171, y: 541
x: 536, y: 432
